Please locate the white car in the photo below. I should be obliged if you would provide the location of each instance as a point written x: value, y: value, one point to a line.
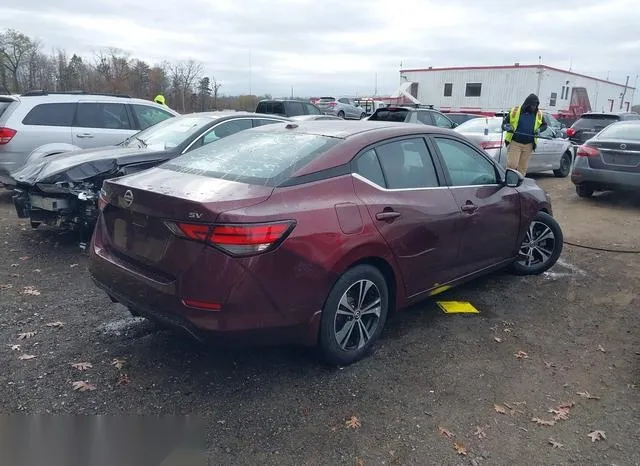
x: 342, y: 107
x: 553, y: 153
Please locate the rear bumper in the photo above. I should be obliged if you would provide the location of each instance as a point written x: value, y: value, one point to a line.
x: 603, y: 179
x: 247, y: 315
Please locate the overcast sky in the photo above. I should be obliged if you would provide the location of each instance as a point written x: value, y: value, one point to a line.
x: 339, y: 46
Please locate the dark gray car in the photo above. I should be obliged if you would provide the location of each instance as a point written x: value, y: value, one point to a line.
x: 609, y: 161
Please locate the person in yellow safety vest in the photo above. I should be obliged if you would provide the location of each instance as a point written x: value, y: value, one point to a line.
x: 523, y: 124
x: 160, y: 100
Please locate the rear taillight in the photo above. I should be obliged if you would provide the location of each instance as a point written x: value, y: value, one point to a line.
x: 332, y: 104
x: 587, y: 151
x: 490, y: 144
x: 6, y: 134
x: 571, y: 132
x: 238, y: 239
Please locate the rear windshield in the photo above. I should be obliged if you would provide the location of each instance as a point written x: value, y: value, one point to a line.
x: 626, y: 132
x: 253, y: 157
x: 272, y: 108
x: 399, y: 114
x: 326, y: 99
x: 478, y: 125
x: 596, y: 122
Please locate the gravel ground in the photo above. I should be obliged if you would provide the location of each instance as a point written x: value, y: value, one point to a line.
x: 433, y: 376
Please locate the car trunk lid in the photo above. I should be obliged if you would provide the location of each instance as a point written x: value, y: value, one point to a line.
x: 616, y: 155
x: 139, y: 211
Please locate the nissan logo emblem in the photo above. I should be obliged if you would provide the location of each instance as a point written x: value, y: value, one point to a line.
x: 623, y: 146
x: 127, y: 199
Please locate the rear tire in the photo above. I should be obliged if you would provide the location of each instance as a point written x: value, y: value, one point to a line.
x: 541, y: 246
x: 565, y: 166
x: 354, y: 315
x: 341, y: 114
x: 363, y: 116
x: 584, y: 190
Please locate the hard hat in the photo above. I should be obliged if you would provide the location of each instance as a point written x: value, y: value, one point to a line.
x: 159, y: 99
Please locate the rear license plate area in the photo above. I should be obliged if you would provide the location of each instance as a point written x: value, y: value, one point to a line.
x: 621, y: 160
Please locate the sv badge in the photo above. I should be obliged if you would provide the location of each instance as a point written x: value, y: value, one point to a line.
x: 195, y: 215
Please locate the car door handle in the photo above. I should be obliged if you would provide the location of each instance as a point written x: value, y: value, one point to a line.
x: 387, y: 215
x: 469, y: 207
x: 84, y: 135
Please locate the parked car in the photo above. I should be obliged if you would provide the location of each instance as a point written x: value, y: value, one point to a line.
x: 553, y: 152
x: 420, y: 115
x: 609, y: 161
x: 314, y: 117
x: 62, y: 190
x: 591, y: 123
x: 342, y: 107
x: 287, y: 108
x: 460, y: 118
x: 313, y: 232
x: 61, y: 122
x: 369, y: 105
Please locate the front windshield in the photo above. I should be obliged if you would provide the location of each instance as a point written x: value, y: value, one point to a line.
x: 169, y: 133
x: 478, y: 125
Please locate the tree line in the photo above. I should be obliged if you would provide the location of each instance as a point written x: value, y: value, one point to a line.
x: 24, y: 66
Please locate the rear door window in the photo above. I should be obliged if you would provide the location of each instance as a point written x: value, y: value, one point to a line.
x: 407, y: 164
x: 397, y: 115
x: 312, y: 109
x: 102, y: 115
x: 51, y: 115
x: 148, y: 116
x: 295, y: 109
x: 441, y: 121
x: 424, y: 118
x: 264, y: 121
x: 226, y: 128
x: 368, y: 166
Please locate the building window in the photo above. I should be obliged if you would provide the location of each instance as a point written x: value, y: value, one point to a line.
x: 562, y: 93
x: 566, y: 94
x: 552, y: 100
x: 473, y: 90
x: 448, y: 89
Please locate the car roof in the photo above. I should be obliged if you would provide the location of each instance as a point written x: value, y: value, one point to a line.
x: 608, y: 113
x: 342, y: 129
x: 285, y: 100
x: 219, y: 114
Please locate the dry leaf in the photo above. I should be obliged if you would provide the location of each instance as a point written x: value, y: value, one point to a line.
x: 83, y: 386
x: 352, y: 423
x: 480, y: 433
x: 30, y: 290
x: 25, y: 335
x: 24, y: 258
x: 56, y: 324
x: 521, y: 355
x: 6, y: 287
x: 123, y: 379
x: 359, y: 462
x: 500, y: 409
x: 118, y: 363
x: 507, y: 330
x: 600, y: 348
x: 498, y: 339
x: 549, y: 365
x: 445, y: 432
x: 460, y: 448
x: 14, y: 265
x: 82, y: 366
x: 588, y: 396
x: 37, y: 270
x: 597, y: 435
x: 14, y: 347
x: 542, y: 422
x: 555, y: 444
x: 73, y: 265
x: 27, y: 357
x: 560, y: 414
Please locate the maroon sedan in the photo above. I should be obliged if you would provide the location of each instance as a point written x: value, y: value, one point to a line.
x: 313, y: 232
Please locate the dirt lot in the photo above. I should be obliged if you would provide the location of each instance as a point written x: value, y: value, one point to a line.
x: 577, y: 325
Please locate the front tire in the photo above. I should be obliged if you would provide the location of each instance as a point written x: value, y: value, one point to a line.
x: 541, y: 246
x: 353, y: 315
x: 583, y: 190
x: 363, y: 116
x: 341, y: 114
x: 565, y: 166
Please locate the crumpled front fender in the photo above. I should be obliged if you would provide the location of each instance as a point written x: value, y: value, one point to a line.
x: 46, y: 150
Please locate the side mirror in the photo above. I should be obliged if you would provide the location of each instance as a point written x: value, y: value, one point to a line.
x: 453, y: 124
x: 513, y: 178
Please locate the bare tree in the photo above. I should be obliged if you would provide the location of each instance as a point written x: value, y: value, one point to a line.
x: 15, y: 49
x: 215, y: 87
x: 184, y: 75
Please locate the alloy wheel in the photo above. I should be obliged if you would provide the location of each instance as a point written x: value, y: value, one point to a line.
x: 358, y: 315
x: 538, y: 245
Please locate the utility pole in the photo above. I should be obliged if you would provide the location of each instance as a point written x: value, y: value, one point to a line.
x: 624, y: 92
x: 250, y: 70
x: 375, y: 89
x: 292, y: 92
